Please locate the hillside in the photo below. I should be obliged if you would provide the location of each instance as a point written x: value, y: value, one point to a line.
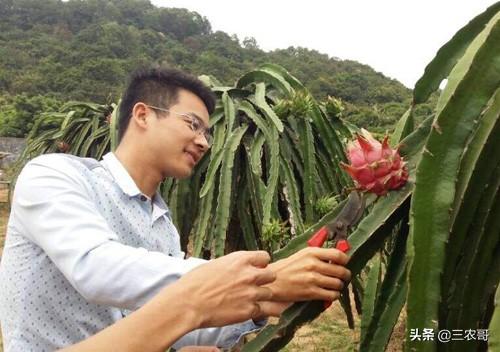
x: 53, y: 51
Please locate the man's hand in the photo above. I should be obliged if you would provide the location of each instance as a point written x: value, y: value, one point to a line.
x: 310, y: 274
x: 271, y: 309
x: 227, y: 290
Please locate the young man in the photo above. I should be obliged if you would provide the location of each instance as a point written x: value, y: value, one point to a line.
x: 88, y: 242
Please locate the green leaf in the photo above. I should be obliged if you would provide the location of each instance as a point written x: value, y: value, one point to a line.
x: 436, y: 175
x: 260, y: 101
x: 201, y: 226
x: 93, y: 139
x: 472, y: 270
x: 310, y: 175
x: 224, y: 197
x: 249, y: 110
x: 331, y: 140
x: 449, y: 54
x: 220, y: 133
x: 213, y: 167
x: 404, y: 127
x: 80, y: 137
x: 113, y: 126
x: 392, y: 296
x: 480, y: 146
x: 216, y: 153
x: 291, y: 193
x: 370, y: 297
x: 463, y: 66
x: 494, y: 327
x: 245, y: 217
x: 273, y: 178
x: 266, y: 76
x: 279, y: 70
x: 254, y: 182
x: 256, y: 154
x: 475, y: 172
x: 229, y: 111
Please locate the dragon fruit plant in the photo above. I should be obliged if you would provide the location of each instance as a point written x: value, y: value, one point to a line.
x: 441, y: 229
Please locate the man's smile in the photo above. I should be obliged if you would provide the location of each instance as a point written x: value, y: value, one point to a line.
x: 193, y: 155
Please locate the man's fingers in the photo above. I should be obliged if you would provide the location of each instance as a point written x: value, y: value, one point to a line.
x: 259, y: 259
x: 263, y: 294
x: 257, y: 312
x: 326, y: 295
x: 264, y: 277
x: 330, y: 283
x: 334, y: 270
x: 331, y: 255
x: 273, y: 309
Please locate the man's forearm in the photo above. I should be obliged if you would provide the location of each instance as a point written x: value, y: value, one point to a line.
x: 150, y: 328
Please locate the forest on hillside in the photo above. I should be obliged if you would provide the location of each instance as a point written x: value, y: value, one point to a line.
x: 52, y: 52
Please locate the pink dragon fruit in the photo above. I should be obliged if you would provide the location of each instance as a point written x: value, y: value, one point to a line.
x: 375, y: 166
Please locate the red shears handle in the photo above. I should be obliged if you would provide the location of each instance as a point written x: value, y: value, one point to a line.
x: 318, y: 239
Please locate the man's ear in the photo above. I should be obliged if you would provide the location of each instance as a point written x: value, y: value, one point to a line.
x: 140, y: 115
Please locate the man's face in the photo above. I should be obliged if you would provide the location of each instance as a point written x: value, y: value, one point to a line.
x: 176, y: 147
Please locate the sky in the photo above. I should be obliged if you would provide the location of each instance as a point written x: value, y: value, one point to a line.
x: 395, y: 37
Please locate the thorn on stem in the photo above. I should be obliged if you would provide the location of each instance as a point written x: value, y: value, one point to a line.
x: 436, y: 126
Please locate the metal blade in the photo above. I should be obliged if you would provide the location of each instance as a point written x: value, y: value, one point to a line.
x: 350, y: 214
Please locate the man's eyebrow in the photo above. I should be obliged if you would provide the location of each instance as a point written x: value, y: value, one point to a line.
x: 200, y: 120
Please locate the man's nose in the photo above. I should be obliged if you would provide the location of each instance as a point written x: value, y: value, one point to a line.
x: 201, y: 141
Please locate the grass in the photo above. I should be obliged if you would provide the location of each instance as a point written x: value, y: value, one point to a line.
x: 330, y: 333
x: 326, y: 334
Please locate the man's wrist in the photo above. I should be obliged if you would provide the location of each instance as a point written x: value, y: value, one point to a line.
x: 190, y: 311
x: 167, y: 320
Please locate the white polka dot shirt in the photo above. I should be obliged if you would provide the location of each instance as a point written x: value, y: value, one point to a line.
x: 84, y: 247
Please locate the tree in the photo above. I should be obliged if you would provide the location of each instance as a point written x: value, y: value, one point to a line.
x: 17, y: 114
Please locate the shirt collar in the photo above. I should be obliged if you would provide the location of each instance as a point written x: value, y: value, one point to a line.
x: 120, y: 174
x: 127, y: 183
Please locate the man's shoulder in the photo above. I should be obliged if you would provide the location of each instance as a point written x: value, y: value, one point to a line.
x: 58, y: 165
x: 63, y: 160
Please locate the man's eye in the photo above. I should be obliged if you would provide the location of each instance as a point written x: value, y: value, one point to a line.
x: 188, y: 120
x: 196, y: 124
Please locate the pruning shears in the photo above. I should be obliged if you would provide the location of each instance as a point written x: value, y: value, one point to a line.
x: 337, y: 229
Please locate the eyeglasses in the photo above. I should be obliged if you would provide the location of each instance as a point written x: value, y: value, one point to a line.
x: 194, y: 121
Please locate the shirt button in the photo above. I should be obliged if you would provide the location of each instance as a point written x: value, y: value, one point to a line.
x: 143, y: 198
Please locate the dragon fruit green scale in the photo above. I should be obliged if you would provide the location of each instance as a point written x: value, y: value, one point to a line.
x: 375, y: 166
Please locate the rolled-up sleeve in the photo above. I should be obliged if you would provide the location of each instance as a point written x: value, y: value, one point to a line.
x: 227, y: 337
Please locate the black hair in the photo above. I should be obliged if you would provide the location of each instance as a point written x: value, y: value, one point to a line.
x: 158, y: 86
